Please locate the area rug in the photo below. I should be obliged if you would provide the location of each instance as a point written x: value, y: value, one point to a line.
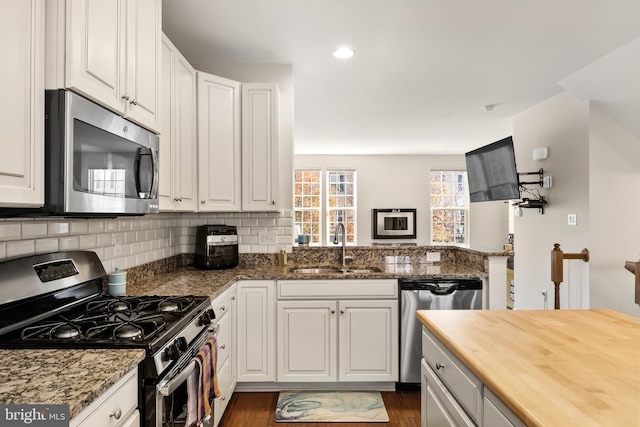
x: 331, y: 407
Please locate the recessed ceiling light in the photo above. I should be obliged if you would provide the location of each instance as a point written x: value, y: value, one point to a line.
x: 343, y: 53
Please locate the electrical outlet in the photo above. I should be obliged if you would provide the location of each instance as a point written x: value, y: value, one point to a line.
x: 116, y: 242
x: 267, y: 237
x: 547, y: 182
x: 572, y: 219
x: 433, y: 256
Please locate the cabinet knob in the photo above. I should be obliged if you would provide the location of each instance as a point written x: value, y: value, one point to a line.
x: 333, y: 311
x: 273, y: 202
x: 341, y: 311
x: 133, y: 102
x: 439, y: 366
x: 233, y: 298
x: 179, y: 199
x: 203, y: 201
x: 125, y: 97
x: 116, y: 414
x: 223, y: 346
x: 224, y: 398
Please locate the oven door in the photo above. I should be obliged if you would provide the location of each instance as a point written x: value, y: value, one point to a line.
x: 171, y: 390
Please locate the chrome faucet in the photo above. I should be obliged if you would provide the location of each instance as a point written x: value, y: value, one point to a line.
x: 340, y: 226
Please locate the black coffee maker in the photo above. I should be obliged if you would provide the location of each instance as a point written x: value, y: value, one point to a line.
x: 216, y: 247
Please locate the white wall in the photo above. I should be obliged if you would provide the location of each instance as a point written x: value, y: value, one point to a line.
x: 403, y: 182
x: 560, y: 123
x: 614, y: 163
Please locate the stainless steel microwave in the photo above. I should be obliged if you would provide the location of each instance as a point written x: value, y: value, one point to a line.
x: 394, y: 224
x: 96, y: 162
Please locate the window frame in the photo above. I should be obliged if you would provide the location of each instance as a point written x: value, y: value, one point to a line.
x: 325, y: 229
x: 466, y: 209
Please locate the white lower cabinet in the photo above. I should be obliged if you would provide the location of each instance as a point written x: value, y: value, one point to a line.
x: 346, y: 339
x: 453, y: 396
x: 116, y: 407
x: 496, y: 414
x: 438, y: 406
x: 256, y: 355
x: 224, y: 330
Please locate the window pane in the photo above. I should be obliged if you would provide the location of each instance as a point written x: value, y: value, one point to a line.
x: 341, y: 203
x: 449, y: 206
x: 306, y: 202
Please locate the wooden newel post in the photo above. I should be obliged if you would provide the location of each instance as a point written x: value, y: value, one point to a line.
x: 557, y: 273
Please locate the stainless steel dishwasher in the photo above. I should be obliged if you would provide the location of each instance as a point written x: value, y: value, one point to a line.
x: 428, y: 294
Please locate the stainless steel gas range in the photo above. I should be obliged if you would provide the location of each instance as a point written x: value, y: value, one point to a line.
x: 55, y: 301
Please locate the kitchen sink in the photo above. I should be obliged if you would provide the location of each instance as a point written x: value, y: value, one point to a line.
x: 316, y: 270
x: 326, y: 270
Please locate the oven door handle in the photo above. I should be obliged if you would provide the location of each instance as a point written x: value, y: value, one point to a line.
x: 167, y: 387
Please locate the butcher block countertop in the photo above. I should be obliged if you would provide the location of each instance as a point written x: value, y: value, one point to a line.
x: 71, y: 377
x: 550, y: 367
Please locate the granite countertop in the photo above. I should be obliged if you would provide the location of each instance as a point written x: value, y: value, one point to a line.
x: 72, y: 377
x: 550, y: 367
x: 194, y: 281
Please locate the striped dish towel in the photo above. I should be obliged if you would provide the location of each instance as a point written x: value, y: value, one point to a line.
x: 202, y: 384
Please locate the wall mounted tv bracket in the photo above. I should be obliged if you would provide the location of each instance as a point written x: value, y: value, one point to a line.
x: 540, y: 181
x: 532, y: 203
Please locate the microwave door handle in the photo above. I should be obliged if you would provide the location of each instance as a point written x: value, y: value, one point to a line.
x: 166, y: 388
x: 156, y: 175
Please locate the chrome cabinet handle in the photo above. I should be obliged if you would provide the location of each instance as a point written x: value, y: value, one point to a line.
x: 116, y: 414
x: 439, y: 366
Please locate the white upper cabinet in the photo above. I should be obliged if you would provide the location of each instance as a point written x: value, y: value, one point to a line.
x: 178, y: 134
x: 109, y: 51
x: 260, y: 124
x: 218, y: 143
x: 22, y: 112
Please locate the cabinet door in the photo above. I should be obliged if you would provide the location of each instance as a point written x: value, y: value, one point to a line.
x: 259, y: 147
x: 307, y: 341
x: 220, y: 403
x: 438, y: 408
x: 142, y: 76
x: 22, y: 112
x: 95, y: 61
x: 186, y: 143
x: 368, y: 349
x: 233, y: 316
x: 167, y: 128
x: 218, y: 143
x: 256, y: 331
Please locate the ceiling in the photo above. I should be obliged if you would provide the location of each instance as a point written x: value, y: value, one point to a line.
x: 423, y: 69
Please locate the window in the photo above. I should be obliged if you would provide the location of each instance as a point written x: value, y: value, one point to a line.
x: 316, y: 213
x: 307, y: 203
x: 449, y: 207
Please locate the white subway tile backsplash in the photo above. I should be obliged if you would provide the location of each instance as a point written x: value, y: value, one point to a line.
x: 46, y: 245
x: 58, y: 228
x: 79, y: 227
x: 20, y: 248
x: 69, y: 243
x: 32, y: 230
x: 10, y: 231
x: 148, y: 238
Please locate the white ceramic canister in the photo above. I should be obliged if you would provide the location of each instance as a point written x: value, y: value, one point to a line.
x: 117, y: 283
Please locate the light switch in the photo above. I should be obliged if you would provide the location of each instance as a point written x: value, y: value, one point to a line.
x: 572, y: 219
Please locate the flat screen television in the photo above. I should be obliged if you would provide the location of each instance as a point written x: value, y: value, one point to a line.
x: 491, y: 172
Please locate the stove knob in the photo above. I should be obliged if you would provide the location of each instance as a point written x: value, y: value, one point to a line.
x: 172, y: 352
x: 182, y: 344
x: 207, y: 317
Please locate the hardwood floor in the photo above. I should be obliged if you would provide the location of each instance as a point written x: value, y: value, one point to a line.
x: 258, y: 410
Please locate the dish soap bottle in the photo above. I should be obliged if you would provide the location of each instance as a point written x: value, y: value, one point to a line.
x: 282, y: 257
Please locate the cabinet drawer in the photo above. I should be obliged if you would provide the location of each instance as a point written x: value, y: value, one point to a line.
x: 496, y: 414
x: 334, y: 289
x: 223, y: 335
x: 118, y: 401
x: 439, y: 407
x: 220, y: 305
x: 465, y: 386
